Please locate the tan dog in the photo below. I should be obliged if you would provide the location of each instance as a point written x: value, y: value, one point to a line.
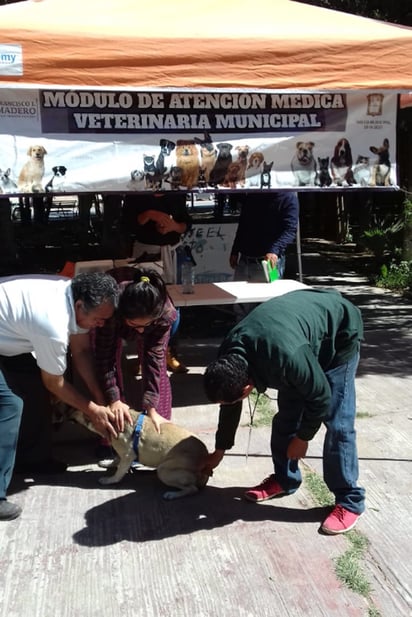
x: 254, y: 169
x: 187, y: 158
x: 32, y: 172
x: 176, y: 453
x: 242, y: 160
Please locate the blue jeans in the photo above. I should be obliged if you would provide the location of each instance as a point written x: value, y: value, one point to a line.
x: 11, y: 409
x: 175, y: 324
x: 340, y: 458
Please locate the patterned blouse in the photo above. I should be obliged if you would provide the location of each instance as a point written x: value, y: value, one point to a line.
x: 151, y: 346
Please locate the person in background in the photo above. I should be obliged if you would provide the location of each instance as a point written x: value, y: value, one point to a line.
x: 267, y: 225
x: 306, y: 345
x: 39, y: 317
x: 145, y: 317
x: 158, y: 222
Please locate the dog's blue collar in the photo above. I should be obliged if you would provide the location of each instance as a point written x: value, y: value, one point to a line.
x: 137, y: 431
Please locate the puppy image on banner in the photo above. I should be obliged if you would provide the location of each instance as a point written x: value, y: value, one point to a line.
x: 266, y: 176
x: 187, y: 158
x: 57, y: 181
x: 137, y: 180
x: 242, y: 158
x: 341, y: 164
x: 362, y: 170
x: 7, y: 185
x: 201, y: 180
x: 254, y: 169
x: 177, y: 454
x: 232, y: 175
x: 208, y: 155
x: 224, y: 159
x: 381, y: 169
x: 303, y: 164
x: 323, y: 177
x: 174, y: 178
x: 31, y: 175
x: 150, y: 173
x: 164, y: 161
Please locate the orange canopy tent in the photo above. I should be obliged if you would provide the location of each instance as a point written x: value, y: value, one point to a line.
x: 213, y: 44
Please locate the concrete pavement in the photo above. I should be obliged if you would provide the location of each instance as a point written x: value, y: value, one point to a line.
x: 82, y: 550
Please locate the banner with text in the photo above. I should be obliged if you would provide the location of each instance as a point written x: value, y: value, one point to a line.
x: 120, y: 141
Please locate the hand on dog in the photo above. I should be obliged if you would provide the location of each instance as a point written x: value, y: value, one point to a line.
x: 102, y: 419
x: 297, y: 449
x: 121, y: 414
x: 156, y: 418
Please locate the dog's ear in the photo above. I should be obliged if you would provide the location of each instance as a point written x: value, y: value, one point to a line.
x: 43, y: 149
x: 29, y: 151
x: 64, y: 169
x: 311, y: 144
x: 374, y: 150
x: 299, y: 144
x: 386, y: 143
x: 54, y: 169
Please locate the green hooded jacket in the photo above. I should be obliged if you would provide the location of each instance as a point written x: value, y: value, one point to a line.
x: 288, y: 343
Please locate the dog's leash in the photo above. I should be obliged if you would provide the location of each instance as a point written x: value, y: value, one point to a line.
x: 252, y: 415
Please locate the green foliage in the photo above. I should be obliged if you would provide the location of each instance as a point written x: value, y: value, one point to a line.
x: 384, y: 237
x: 407, y: 205
x: 397, y: 277
x: 318, y: 489
x: 348, y: 569
x: 386, y: 222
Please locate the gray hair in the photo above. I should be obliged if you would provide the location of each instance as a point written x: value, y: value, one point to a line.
x: 94, y: 289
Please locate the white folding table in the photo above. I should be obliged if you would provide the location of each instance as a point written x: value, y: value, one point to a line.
x: 232, y: 292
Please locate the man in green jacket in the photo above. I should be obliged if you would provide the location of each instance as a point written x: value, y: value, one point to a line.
x: 306, y: 345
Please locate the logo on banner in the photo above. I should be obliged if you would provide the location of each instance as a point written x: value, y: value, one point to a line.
x: 11, y: 60
x: 375, y: 104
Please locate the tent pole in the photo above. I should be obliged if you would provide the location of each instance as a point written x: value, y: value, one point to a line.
x: 299, y: 252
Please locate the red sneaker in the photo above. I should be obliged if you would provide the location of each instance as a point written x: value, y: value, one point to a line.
x: 339, y: 520
x: 268, y: 489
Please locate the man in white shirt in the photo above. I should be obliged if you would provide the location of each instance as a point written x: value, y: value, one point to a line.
x: 43, y: 315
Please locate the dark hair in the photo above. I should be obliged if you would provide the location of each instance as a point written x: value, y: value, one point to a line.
x: 144, y: 297
x: 225, y: 379
x: 94, y: 289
